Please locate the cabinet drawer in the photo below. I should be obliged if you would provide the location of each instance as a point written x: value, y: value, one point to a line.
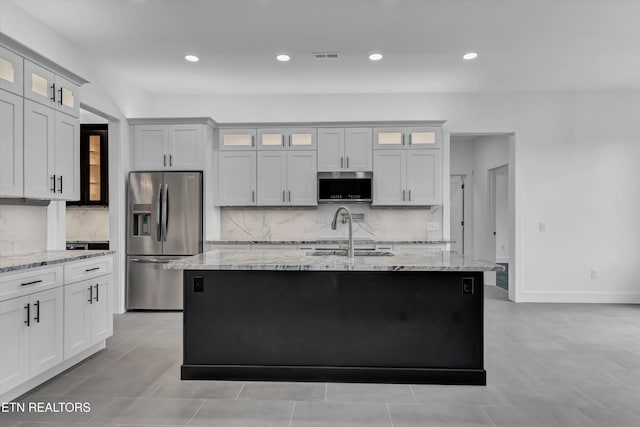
x: 86, y: 269
x: 13, y: 285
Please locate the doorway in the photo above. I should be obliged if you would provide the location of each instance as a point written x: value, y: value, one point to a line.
x: 457, y: 213
x: 499, y: 216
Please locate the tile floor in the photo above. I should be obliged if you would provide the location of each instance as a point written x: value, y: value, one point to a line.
x: 550, y: 365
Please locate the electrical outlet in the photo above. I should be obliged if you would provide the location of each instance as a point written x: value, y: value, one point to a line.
x: 433, y: 226
x: 467, y: 285
x: 198, y: 284
x: 594, y: 273
x: 542, y: 227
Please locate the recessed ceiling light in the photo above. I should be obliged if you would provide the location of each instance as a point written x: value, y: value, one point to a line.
x: 192, y: 58
x: 283, y: 58
x: 375, y: 56
x: 470, y: 55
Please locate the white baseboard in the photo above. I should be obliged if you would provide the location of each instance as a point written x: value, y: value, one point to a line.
x: 581, y: 297
x: 32, y: 383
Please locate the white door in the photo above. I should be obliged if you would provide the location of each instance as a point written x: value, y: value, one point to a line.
x: 11, y: 145
x: 149, y: 147
x: 67, y: 157
x: 101, y: 309
x: 301, y: 139
x: 14, y: 343
x: 389, y: 178
x: 330, y: 149
x: 237, y: 179
x: 67, y: 96
x: 39, y: 130
x: 457, y: 213
x: 186, y: 147
x: 423, y: 177
x: 77, y: 318
x: 423, y: 137
x: 46, y: 343
x: 272, y: 178
x: 272, y: 139
x: 302, y: 186
x: 237, y: 139
x: 357, y: 149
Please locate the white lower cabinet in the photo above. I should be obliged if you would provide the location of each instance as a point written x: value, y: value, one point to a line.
x: 87, y: 314
x: 46, y: 319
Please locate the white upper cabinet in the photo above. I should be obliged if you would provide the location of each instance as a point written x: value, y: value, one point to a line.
x: 11, y: 145
x: 237, y: 139
x: 52, y: 147
x: 407, y: 178
x: 237, y: 178
x: 11, y: 71
x: 168, y: 147
x: 302, y: 185
x: 341, y: 149
x: 287, y: 178
x: 272, y: 178
x: 407, y: 137
x: 286, y: 139
x: 47, y: 88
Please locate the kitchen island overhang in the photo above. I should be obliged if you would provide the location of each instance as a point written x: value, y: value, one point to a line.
x: 416, y: 317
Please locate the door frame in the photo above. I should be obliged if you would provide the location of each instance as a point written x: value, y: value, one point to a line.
x: 463, y: 176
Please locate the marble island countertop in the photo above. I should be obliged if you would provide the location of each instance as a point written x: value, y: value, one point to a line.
x: 298, y: 260
x: 337, y: 241
x: 44, y: 258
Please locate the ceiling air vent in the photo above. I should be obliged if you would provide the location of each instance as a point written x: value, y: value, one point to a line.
x: 326, y: 55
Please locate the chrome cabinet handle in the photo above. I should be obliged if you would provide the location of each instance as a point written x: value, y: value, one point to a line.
x: 53, y: 183
x: 90, y: 295
x: 159, y: 215
x: 165, y: 214
x: 283, y: 196
x: 149, y: 261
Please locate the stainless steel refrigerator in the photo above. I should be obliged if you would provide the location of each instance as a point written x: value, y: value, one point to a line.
x: 164, y: 223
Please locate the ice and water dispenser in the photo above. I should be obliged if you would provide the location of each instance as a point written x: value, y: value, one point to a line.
x: 141, y: 220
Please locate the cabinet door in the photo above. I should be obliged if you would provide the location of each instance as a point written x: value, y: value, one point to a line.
x: 423, y: 177
x: 67, y: 96
x: 77, y: 317
x: 39, y: 179
x: 11, y: 66
x: 423, y: 137
x: 67, y: 157
x: 14, y: 343
x: 237, y: 139
x: 150, y: 146
x: 186, y: 147
x: 11, y: 145
x: 389, y: 178
x: 237, y: 179
x: 357, y: 149
x: 302, y: 186
x: 39, y: 84
x: 330, y: 149
x: 101, y: 309
x: 388, y: 138
x: 45, y: 332
x: 272, y: 178
x: 301, y: 139
x: 272, y: 139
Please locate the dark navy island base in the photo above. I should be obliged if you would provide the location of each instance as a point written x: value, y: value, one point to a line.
x: 339, y: 326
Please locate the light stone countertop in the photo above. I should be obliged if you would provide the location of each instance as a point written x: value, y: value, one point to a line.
x: 356, y: 241
x: 298, y: 260
x: 41, y: 259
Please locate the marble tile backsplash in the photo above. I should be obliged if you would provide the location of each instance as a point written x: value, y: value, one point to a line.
x: 91, y: 224
x: 315, y: 223
x: 23, y: 229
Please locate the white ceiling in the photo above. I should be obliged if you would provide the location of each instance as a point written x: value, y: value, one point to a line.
x: 523, y: 45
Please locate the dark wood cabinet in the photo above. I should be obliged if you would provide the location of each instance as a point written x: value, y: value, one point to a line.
x: 94, y: 168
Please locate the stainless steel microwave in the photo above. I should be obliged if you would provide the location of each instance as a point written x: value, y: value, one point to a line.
x: 335, y: 187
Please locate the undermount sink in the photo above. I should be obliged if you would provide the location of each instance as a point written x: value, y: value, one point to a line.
x: 343, y: 252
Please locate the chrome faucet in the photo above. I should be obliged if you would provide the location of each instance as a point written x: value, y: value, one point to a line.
x: 334, y: 224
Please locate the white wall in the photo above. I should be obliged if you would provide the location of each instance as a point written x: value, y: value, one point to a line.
x: 574, y: 168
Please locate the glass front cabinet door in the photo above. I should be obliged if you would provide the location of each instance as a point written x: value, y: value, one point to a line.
x: 11, y: 66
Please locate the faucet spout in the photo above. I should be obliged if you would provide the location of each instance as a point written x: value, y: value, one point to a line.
x: 334, y: 224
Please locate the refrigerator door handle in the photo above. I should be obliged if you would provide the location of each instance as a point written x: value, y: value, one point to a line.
x: 149, y: 261
x: 159, y: 216
x: 165, y: 215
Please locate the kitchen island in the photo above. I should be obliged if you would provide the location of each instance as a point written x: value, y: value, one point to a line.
x: 411, y: 316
